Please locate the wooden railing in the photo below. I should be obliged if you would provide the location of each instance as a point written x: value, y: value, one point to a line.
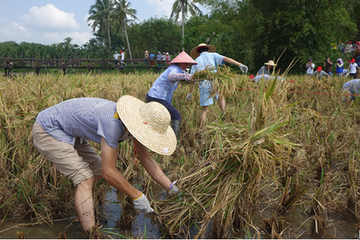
x: 90, y: 64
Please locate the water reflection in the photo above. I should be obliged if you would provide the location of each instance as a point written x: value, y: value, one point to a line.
x: 296, y: 222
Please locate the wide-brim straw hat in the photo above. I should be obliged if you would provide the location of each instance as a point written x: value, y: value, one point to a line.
x: 183, y: 57
x: 194, y: 52
x: 270, y: 63
x: 148, y: 123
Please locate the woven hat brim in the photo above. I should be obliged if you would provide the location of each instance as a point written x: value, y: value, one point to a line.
x: 270, y: 64
x: 128, y: 108
x: 190, y: 63
x: 194, y: 53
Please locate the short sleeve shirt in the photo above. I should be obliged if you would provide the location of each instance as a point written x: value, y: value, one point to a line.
x: 309, y: 69
x: 84, y: 118
x: 353, y: 67
x: 352, y: 87
x: 263, y: 70
x: 207, y: 60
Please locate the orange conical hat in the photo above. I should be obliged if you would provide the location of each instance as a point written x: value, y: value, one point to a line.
x: 183, y: 57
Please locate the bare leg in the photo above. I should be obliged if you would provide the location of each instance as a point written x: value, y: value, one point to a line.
x: 222, y: 104
x: 97, y: 178
x: 84, y: 203
x: 203, y: 115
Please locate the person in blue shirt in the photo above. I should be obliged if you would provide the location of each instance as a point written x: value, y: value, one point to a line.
x: 159, y: 57
x: 265, y: 70
x: 163, y: 88
x: 152, y: 57
x: 61, y: 134
x: 350, y: 89
x: 207, y: 58
x: 339, y: 67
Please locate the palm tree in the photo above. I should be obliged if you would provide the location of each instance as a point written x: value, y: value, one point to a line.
x: 99, y: 17
x: 184, y: 7
x: 122, y: 16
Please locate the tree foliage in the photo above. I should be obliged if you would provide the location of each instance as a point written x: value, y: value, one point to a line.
x: 264, y: 29
x: 250, y: 31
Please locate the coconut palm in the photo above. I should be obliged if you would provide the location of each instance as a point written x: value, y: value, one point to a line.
x: 184, y: 7
x: 122, y: 16
x: 99, y: 17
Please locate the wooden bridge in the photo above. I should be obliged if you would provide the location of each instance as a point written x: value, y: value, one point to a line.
x: 9, y: 64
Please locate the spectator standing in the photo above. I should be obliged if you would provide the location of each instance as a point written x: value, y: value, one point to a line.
x: 146, y: 56
x: 116, y: 58
x: 357, y: 57
x: 339, y: 67
x: 352, y: 68
x: 163, y: 58
x: 168, y: 58
x: 341, y: 47
x: 328, y: 65
x: 152, y: 57
x: 122, y: 57
x: 310, y: 66
x: 158, y: 57
x: 348, y: 48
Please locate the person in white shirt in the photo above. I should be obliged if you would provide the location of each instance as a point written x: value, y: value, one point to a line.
x: 352, y: 68
x: 122, y: 57
x: 116, y: 57
x: 310, y: 66
x: 163, y: 58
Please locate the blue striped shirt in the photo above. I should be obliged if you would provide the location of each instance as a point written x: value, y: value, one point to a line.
x: 84, y: 118
x: 352, y: 87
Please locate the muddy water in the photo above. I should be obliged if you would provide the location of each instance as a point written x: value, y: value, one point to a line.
x: 296, y: 223
x: 112, y: 211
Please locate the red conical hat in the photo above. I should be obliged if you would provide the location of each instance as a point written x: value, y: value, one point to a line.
x: 183, y: 57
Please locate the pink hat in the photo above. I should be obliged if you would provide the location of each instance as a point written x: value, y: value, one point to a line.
x: 183, y: 57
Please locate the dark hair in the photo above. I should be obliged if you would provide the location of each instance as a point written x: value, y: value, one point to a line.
x: 202, y: 49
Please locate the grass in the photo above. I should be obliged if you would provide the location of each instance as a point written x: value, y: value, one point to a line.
x: 281, y: 145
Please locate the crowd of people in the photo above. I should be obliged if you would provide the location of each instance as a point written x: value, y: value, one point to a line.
x: 163, y: 59
x: 118, y: 57
x: 350, y: 51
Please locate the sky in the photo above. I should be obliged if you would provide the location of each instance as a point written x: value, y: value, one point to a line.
x: 51, y: 21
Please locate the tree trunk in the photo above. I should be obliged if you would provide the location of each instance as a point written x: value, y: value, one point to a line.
x: 127, y: 40
x: 183, y: 23
x: 108, y: 30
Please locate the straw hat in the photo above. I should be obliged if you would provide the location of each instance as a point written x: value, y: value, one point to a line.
x: 148, y: 123
x: 194, y: 52
x: 183, y: 57
x: 270, y: 63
